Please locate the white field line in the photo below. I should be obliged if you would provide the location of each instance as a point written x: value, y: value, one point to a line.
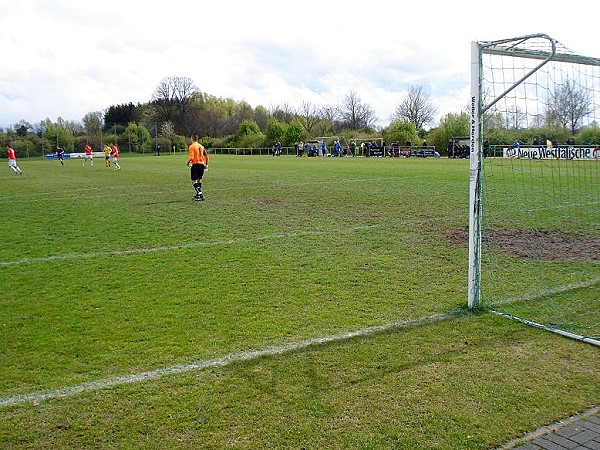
x: 39, y: 396
x: 143, y: 250
x: 553, y: 291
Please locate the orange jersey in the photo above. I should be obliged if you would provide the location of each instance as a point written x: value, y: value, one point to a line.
x: 198, y: 154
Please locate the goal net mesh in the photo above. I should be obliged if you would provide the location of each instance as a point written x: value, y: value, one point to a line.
x: 539, y: 184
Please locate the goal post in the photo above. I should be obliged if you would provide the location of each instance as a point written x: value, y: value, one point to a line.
x: 534, y: 214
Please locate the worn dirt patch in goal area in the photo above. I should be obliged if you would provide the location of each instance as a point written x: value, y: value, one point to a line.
x: 543, y: 245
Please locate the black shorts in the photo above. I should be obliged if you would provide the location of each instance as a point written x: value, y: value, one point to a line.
x: 197, y: 171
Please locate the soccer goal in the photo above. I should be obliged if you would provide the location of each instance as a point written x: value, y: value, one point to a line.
x: 534, y: 220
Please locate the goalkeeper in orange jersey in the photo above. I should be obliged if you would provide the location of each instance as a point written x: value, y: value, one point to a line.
x: 198, y: 163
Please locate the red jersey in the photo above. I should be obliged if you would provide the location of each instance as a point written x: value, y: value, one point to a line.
x: 11, y: 153
x: 115, y: 151
x: 88, y: 150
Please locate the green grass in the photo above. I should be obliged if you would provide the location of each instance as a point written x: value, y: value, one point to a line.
x: 111, y: 273
x: 551, y: 207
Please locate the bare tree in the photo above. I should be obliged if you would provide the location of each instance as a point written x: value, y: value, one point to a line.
x: 172, y: 99
x: 309, y: 116
x: 355, y: 114
x: 514, y: 117
x: 284, y: 113
x: 569, y: 104
x: 416, y: 107
x: 328, y: 116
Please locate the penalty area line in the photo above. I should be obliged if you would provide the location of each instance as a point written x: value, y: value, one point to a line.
x: 39, y: 396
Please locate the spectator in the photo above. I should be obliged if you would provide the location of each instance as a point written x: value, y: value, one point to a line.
x: 451, y: 148
x: 278, y: 148
x: 337, y: 149
x: 307, y: 149
x: 353, y: 148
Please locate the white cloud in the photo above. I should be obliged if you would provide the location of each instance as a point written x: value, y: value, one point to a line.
x: 66, y: 57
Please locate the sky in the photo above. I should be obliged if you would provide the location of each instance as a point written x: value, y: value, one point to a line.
x: 65, y: 58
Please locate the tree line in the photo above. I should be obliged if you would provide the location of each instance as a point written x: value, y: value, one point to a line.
x: 177, y: 108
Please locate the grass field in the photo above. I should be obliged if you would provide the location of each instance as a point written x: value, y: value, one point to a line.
x: 129, y: 312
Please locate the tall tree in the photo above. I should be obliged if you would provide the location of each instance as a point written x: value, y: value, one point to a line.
x: 452, y: 125
x: 119, y: 115
x: 355, y: 114
x: 293, y: 133
x: 275, y: 131
x: 416, y: 107
x: 402, y: 131
x: 569, y: 104
x: 22, y: 127
x: 92, y: 122
x: 171, y: 100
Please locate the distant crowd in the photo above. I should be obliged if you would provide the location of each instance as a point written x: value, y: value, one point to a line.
x: 367, y: 148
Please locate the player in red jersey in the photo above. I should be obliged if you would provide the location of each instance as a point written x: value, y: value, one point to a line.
x: 115, y: 157
x: 12, y: 161
x: 88, y: 155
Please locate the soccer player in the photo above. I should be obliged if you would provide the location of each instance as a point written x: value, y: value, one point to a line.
x: 115, y: 157
x: 107, y: 152
x: 88, y: 155
x: 60, y: 153
x: 12, y: 161
x: 198, y: 163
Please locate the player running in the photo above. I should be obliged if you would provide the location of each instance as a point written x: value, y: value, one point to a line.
x: 12, y: 161
x: 107, y: 152
x: 88, y: 155
x: 60, y: 153
x: 115, y: 157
